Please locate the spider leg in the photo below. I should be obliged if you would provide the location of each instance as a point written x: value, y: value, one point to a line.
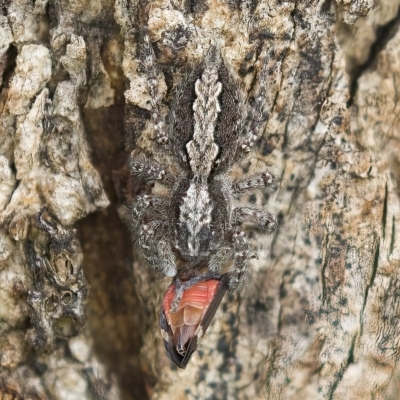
x: 156, y: 248
x: 149, y: 207
x: 263, y: 102
x: 149, y: 217
x: 146, y: 169
x: 260, y: 218
x: 222, y: 258
x: 241, y: 257
x: 243, y: 186
x: 149, y: 65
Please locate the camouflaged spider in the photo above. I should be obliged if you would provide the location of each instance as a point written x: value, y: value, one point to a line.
x: 192, y: 234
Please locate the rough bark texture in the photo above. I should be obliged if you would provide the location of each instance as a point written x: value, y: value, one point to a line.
x: 319, y: 316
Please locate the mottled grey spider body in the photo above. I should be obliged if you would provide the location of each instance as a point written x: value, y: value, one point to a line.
x: 192, y: 233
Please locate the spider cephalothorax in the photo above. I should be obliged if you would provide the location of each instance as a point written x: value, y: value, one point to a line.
x: 191, y: 231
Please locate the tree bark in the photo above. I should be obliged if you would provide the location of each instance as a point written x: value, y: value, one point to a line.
x: 318, y: 317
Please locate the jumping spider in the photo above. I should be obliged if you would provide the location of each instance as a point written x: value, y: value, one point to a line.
x: 192, y: 233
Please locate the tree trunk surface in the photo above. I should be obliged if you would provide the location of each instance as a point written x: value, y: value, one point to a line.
x: 318, y: 317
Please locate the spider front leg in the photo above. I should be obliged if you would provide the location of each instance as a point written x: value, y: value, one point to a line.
x: 241, y: 257
x: 243, y: 186
x: 147, y: 170
x: 149, y: 215
x: 154, y: 243
x: 262, y: 219
x: 149, y: 66
x: 148, y: 207
x: 241, y: 247
x: 263, y: 103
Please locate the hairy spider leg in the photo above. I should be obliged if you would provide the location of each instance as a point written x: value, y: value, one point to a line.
x: 150, y: 221
x: 258, y: 110
x: 260, y: 218
x: 241, y: 258
x: 149, y: 65
x: 146, y: 169
x: 244, y: 186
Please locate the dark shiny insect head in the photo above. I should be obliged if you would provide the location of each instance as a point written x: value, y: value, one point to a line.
x: 182, y: 330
